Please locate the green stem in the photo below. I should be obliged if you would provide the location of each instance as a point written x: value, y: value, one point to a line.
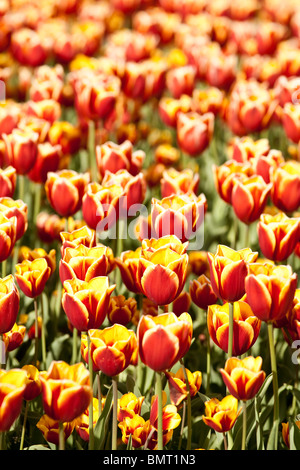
x: 4, y: 268
x: 43, y: 333
x: 91, y: 150
x: 74, y: 349
x: 115, y: 413
x: 24, y: 425
x: 208, y: 361
x: 61, y: 436
x: 230, y: 331
x: 275, y: 378
x: 2, y: 440
x: 189, y: 410
x: 244, y: 425
x: 160, y: 412
x: 36, y: 331
x: 91, y: 419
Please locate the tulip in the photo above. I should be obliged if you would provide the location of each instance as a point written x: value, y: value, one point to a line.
x: 227, y: 174
x: 113, y: 349
x: 32, y: 276
x: 127, y: 263
x: 66, y: 135
x: 49, y: 110
x: 81, y: 236
x: 122, y: 310
x: 47, y: 160
x: 178, y: 182
x: 8, y: 180
x: 246, y: 326
x: 12, y: 386
x: 245, y: 149
x: 50, y: 429
x: 182, y: 303
x: 278, y: 235
x: 9, y: 303
x: 207, y: 100
x: 99, y: 205
x: 8, y: 234
x: 166, y: 154
x: 249, y: 198
x: 270, y: 292
x: 28, y: 47
x: 82, y: 422
x: 136, y: 429
x: 65, y: 190
x: 114, y: 157
x: 66, y: 390
x: 172, y: 333
x: 33, y: 384
x: 243, y: 377
x: 181, y: 80
x: 14, y: 337
x: 201, y: 292
x: 129, y: 405
x: 265, y: 165
x: 170, y: 420
x: 169, y: 109
x: 285, y: 192
x: 221, y: 415
x: 290, y: 121
x: 21, y: 150
x: 12, y: 208
x: 194, y: 132
x: 85, y: 263
x: 26, y: 253
x: 162, y: 263
x: 85, y: 302
x: 179, y: 390
x: 228, y: 271
x: 179, y: 215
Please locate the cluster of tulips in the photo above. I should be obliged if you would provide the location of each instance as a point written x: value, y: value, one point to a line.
x: 149, y: 224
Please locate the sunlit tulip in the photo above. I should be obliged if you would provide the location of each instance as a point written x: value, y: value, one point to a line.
x: 226, y: 174
x: 194, y: 132
x: 85, y: 263
x: 172, y: 333
x: 65, y: 190
x: 290, y: 121
x: 28, y: 47
x: 182, y: 303
x: 201, y: 292
x: 179, y: 389
x: 179, y: 182
x: 66, y: 390
x: 278, y: 235
x: 32, y: 276
x: 129, y: 405
x: 12, y: 208
x: 114, y: 157
x: 122, y: 310
x: 21, y: 150
x: 33, y: 384
x: 162, y: 262
x: 243, y: 377
x: 181, y: 80
x: 265, y: 165
x: 8, y: 179
x: 221, y: 415
x: 198, y: 263
x: 26, y: 253
x: 221, y: 70
x: 135, y: 428
x: 169, y: 108
x: 9, y: 303
x: 50, y: 429
x: 113, y: 349
x: 81, y: 236
x: 171, y: 419
x: 8, y: 234
x: 249, y: 198
x: 245, y: 149
x: 47, y: 160
x: 270, y: 291
x: 66, y: 135
x: 285, y: 192
x: 246, y: 326
x: 228, y: 271
x: 207, y: 100
x: 127, y: 263
x: 12, y: 386
x: 14, y: 337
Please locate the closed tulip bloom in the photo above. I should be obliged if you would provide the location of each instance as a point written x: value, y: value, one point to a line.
x: 271, y: 291
x: 114, y: 157
x: 32, y: 276
x: 122, y: 310
x: 169, y: 108
x: 228, y: 271
x: 227, y: 174
x: 246, y: 149
x: 201, y: 292
x: 21, y: 150
x: 99, y: 205
x: 47, y: 160
x: 162, y: 263
x: 179, y: 215
x: 50, y: 429
x: 81, y: 236
x: 8, y: 179
x: 129, y: 405
x: 265, y: 165
x: 178, y: 387
x: 127, y: 263
x: 65, y: 190
x: 179, y: 182
x: 164, y: 339
x: 290, y: 121
x: 243, y: 377
x: 221, y: 415
x: 135, y: 428
x: 14, y: 337
x: 85, y: 263
x: 113, y: 349
x: 33, y: 384
x: 66, y: 390
x: 12, y: 386
x: 86, y: 303
x: 194, y: 132
x: 26, y: 253
x: 246, y: 326
x: 65, y: 135
x: 249, y: 198
x: 181, y: 80
x: 8, y: 235
x: 9, y: 303
x: 278, y: 235
x: 285, y: 192
x: 18, y: 209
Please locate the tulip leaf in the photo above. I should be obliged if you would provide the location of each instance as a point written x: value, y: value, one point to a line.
x: 100, y: 430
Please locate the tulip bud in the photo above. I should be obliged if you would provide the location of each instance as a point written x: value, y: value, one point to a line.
x: 32, y: 276
x: 194, y: 132
x: 21, y: 150
x: 9, y: 303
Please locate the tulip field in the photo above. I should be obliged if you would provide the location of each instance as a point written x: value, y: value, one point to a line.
x: 150, y: 226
